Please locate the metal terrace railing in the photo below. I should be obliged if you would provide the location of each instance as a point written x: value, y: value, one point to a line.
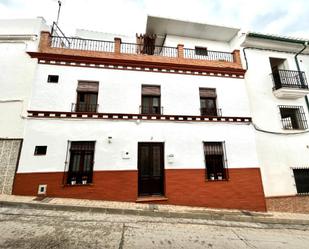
x: 82, y: 44
x: 209, y: 55
x: 289, y: 79
x: 211, y: 112
x: 84, y: 107
x: 133, y: 48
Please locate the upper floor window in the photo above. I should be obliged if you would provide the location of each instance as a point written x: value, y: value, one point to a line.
x: 216, y: 167
x: 208, y: 102
x: 301, y: 180
x: 151, y: 100
x: 81, y: 162
x: 201, y: 51
x: 293, y: 117
x: 87, y: 96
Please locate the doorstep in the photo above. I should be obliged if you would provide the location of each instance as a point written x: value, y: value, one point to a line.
x: 151, y: 198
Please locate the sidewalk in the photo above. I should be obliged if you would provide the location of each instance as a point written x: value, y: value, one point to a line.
x: 154, y: 210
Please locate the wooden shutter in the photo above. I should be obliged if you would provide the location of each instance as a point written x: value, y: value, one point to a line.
x: 84, y: 86
x: 151, y: 90
x: 208, y: 93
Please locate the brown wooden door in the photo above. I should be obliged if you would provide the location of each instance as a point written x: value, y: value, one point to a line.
x: 150, y: 169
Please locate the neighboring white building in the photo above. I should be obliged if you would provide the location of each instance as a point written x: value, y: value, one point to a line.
x: 277, y: 91
x: 16, y: 79
x: 164, y: 120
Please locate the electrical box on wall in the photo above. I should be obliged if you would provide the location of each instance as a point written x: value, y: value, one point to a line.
x: 170, y: 158
x: 125, y: 155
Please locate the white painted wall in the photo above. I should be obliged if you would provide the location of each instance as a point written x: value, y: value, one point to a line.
x: 188, y: 42
x: 184, y: 140
x: 277, y: 154
x: 120, y: 90
x: 17, y: 72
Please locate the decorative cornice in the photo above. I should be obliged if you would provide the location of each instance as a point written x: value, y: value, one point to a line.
x: 91, y: 62
x: 149, y: 117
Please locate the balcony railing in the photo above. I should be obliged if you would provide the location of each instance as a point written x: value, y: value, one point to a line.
x: 289, y: 79
x: 84, y: 107
x: 82, y: 44
x: 151, y: 110
x: 132, y: 48
x: 211, y: 112
x: 211, y: 55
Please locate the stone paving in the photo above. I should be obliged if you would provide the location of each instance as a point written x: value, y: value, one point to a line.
x: 46, y: 229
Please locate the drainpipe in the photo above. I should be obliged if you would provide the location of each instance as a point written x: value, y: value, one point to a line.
x: 302, y: 81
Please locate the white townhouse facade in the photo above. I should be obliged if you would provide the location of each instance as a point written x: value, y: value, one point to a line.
x: 16, y: 78
x: 276, y: 79
x: 163, y: 117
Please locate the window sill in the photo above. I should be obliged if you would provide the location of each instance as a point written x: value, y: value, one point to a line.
x: 78, y: 185
x: 151, y: 198
x: 216, y: 180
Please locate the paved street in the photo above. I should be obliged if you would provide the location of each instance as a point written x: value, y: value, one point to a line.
x: 32, y: 228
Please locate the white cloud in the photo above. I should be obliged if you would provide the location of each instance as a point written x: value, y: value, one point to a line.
x: 129, y: 16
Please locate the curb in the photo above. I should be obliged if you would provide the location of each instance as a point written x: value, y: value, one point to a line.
x: 202, y: 215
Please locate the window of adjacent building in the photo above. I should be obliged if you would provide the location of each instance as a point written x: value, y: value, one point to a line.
x: 40, y: 150
x: 201, y: 51
x: 87, y: 96
x: 293, y: 117
x: 151, y: 100
x: 215, y: 161
x: 301, y: 180
x: 208, y: 102
x: 81, y: 162
x: 53, y: 78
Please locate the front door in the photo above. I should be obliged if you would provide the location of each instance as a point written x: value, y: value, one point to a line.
x: 150, y: 169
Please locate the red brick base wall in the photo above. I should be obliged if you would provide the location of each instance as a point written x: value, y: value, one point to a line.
x: 182, y: 187
x: 291, y: 204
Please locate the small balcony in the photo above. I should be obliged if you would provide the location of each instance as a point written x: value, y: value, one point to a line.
x: 289, y: 84
x: 153, y: 110
x: 211, y: 112
x: 84, y: 107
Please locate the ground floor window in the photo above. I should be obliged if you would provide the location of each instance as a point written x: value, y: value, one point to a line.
x: 216, y: 167
x: 301, y: 180
x: 81, y: 162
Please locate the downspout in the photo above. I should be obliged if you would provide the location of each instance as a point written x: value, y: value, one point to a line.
x: 302, y: 81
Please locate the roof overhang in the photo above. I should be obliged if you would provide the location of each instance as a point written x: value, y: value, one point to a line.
x: 166, y: 26
x: 273, y: 42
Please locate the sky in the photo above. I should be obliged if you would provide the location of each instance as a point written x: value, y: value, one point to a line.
x: 281, y: 17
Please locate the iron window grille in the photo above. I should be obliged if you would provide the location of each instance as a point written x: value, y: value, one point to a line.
x: 81, y: 162
x: 301, y: 176
x: 216, y: 162
x: 293, y: 117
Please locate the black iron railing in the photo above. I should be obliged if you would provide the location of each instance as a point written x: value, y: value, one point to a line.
x: 132, y: 48
x: 82, y: 44
x: 289, y: 79
x: 211, y: 55
x: 84, y: 107
x: 293, y: 117
x: 151, y: 110
x: 57, y: 32
x: 211, y: 112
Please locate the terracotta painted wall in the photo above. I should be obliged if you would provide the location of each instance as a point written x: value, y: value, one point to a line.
x: 182, y: 187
